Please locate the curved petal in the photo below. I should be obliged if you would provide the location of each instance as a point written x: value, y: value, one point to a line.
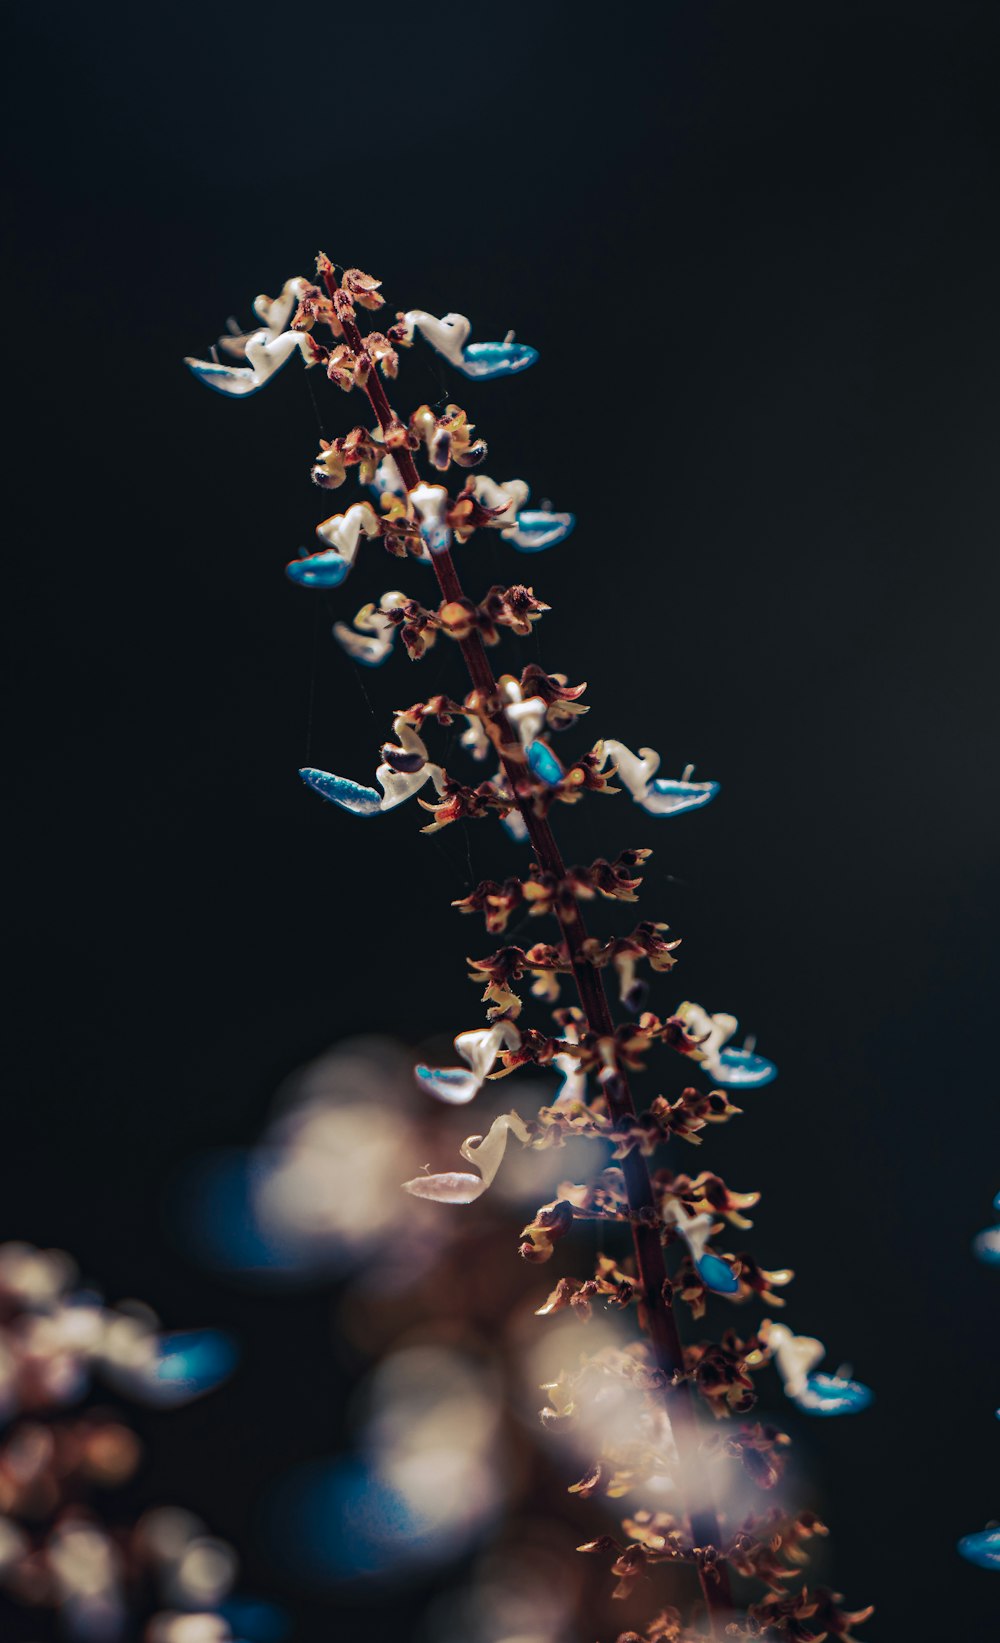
x: 451, y: 1188
x: 832, y: 1395
x: 265, y: 355
x: 479, y: 1049
x: 668, y: 798
x: 360, y: 801
x: 319, y: 570
x: 982, y: 1548
x: 481, y: 361
x: 543, y: 763
x: 538, y: 529
x: 743, y: 1070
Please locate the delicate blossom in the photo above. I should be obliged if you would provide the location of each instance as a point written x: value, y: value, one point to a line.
x: 796, y: 1358
x: 706, y: 1037
x: 481, y: 360
x: 341, y: 535
x: 696, y: 1231
x: 265, y: 350
x: 530, y: 530
x: 656, y: 794
x: 486, y: 1152
x: 403, y: 771
x: 479, y: 1049
x: 369, y: 641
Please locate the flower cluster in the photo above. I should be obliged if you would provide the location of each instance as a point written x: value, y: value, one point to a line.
x: 62, y: 1458
x: 659, y: 1418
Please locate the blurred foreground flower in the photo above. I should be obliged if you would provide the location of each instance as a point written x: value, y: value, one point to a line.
x: 61, y: 1546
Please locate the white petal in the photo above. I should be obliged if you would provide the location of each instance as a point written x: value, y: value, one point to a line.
x: 453, y: 1188
x: 342, y: 531
x: 635, y: 773
x: 486, y: 1152
x: 511, y: 495
x: 448, y: 335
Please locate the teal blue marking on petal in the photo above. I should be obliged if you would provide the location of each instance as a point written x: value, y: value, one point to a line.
x: 191, y: 1362
x: 483, y: 361
x: 669, y: 798
x: 360, y: 801
x: 982, y: 1548
x: 537, y: 529
x: 543, y: 763
x: 743, y: 1070
x: 827, y: 1395
x: 716, y: 1274
x: 448, y: 1083
x: 319, y: 570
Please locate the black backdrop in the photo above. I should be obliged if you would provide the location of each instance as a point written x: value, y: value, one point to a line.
x: 757, y: 247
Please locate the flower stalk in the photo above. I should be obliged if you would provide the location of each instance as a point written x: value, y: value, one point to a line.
x: 662, y: 1209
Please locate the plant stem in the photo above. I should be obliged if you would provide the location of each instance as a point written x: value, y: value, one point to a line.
x: 661, y: 1324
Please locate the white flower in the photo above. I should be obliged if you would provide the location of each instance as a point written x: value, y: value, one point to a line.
x: 486, y: 1152
x: 402, y: 773
x: 431, y: 503
x: 370, y: 641
x: 265, y: 350
x: 479, y: 1049
x: 449, y: 337
x: 714, y: 1272
x: 660, y: 797
x: 711, y: 1031
x: 795, y: 1356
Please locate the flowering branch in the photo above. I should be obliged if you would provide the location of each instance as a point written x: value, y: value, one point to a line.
x: 422, y: 520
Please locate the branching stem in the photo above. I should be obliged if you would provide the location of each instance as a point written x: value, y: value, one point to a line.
x: 660, y: 1321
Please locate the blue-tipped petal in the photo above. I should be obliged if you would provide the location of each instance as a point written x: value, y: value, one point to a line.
x: 982, y: 1548
x: 235, y: 381
x: 455, y: 1084
x: 996, y: 1203
x: 538, y: 529
x: 543, y: 763
x: 319, y: 570
x: 986, y: 1246
x: 743, y: 1070
x: 360, y: 801
x: 252, y: 1619
x: 483, y: 361
x: 669, y: 798
x: 832, y: 1395
x: 716, y: 1274
x: 188, y: 1364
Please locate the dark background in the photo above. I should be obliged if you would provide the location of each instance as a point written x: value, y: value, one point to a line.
x: 757, y: 246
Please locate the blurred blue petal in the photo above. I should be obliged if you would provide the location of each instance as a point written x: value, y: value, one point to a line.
x: 716, y: 1274
x: 743, y: 1070
x: 455, y: 1084
x: 669, y: 798
x: 360, y: 801
x: 191, y: 1362
x: 543, y: 763
x: 215, y: 1209
x: 326, y: 569
x: 483, y: 361
x: 982, y: 1548
x: 537, y: 529
x: 832, y: 1395
x: 339, y: 1520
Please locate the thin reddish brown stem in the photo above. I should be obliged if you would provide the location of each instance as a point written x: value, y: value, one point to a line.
x: 659, y: 1315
